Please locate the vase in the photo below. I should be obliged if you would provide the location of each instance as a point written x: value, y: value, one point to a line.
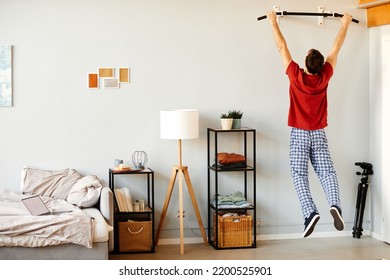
x: 226, y: 124
x: 236, y: 124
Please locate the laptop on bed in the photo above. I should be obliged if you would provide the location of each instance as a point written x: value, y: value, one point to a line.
x: 35, y: 205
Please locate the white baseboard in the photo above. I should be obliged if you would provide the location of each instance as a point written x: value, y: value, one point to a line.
x: 194, y: 240
x: 171, y: 241
x: 375, y: 235
x: 299, y: 235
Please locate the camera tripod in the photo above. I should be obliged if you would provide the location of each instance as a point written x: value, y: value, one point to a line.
x: 361, y: 197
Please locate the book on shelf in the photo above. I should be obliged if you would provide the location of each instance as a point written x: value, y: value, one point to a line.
x: 119, y: 199
x: 124, y: 199
x: 128, y: 199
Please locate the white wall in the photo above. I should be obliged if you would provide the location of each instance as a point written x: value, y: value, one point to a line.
x: 209, y: 55
x: 378, y: 131
x: 385, y: 194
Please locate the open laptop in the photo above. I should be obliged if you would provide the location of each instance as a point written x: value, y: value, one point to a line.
x: 35, y: 205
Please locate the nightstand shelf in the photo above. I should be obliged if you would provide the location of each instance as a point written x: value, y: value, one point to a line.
x: 127, y: 240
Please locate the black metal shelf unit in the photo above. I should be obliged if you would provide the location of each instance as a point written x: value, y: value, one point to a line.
x: 248, y: 136
x: 147, y: 214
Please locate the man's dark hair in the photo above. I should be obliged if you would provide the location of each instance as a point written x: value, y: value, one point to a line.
x: 314, y: 61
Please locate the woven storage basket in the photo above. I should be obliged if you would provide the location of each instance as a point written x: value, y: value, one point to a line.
x: 135, y: 236
x: 234, y: 231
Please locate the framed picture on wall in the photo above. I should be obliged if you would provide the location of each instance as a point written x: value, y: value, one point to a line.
x: 5, y: 75
x: 93, y: 80
x: 106, y: 72
x: 111, y: 83
x: 124, y: 74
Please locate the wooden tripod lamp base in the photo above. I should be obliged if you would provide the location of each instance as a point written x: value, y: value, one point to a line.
x: 181, y: 170
x: 180, y: 124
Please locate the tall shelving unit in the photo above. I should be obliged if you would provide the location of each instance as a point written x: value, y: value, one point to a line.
x: 215, y: 231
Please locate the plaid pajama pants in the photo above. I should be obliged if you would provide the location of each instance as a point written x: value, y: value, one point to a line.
x: 312, y: 145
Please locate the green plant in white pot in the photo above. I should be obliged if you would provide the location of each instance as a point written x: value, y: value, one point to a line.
x: 226, y: 121
x: 236, y: 115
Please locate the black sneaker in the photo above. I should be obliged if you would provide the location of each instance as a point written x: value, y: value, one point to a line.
x: 310, y: 223
x: 338, y: 219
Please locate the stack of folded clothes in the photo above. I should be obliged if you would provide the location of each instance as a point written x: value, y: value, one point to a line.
x: 233, y: 200
x: 230, y: 160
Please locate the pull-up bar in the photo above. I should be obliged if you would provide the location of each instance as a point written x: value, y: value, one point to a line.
x: 284, y: 13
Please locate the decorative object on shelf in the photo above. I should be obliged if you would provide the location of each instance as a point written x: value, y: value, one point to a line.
x: 180, y: 124
x: 142, y: 205
x: 119, y: 166
x: 136, y: 206
x: 237, y: 116
x: 118, y: 162
x: 226, y: 121
x: 139, y: 158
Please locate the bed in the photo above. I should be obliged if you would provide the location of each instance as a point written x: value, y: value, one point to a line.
x: 78, y: 227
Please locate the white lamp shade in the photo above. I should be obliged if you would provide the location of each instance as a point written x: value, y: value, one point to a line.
x: 179, y: 124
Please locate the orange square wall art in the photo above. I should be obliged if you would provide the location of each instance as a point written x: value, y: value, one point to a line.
x: 93, y: 80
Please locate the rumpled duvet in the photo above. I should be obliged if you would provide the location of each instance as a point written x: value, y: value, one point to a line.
x: 67, y: 223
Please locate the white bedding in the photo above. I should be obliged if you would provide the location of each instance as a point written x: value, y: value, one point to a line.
x: 19, y: 228
x: 100, y: 229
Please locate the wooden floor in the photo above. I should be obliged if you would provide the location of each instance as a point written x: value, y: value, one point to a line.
x: 333, y: 248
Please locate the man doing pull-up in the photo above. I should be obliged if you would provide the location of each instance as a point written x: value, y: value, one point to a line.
x: 308, y: 118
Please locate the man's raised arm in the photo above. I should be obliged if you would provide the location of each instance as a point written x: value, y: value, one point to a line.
x: 334, y: 52
x: 279, y: 40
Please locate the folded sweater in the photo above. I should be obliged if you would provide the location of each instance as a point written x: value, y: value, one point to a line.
x: 233, y: 199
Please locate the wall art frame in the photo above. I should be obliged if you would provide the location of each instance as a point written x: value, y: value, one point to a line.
x: 6, y: 94
x: 93, y: 80
x: 124, y: 74
x: 111, y: 83
x: 106, y: 72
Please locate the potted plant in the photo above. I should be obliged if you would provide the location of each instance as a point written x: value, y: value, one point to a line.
x: 226, y: 121
x: 237, y: 116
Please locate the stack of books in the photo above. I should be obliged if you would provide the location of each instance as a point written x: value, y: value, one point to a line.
x: 124, y: 199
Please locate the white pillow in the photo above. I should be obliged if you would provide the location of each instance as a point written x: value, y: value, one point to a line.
x: 86, y: 192
x: 52, y: 183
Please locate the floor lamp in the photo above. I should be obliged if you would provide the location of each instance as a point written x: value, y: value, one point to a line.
x: 180, y: 124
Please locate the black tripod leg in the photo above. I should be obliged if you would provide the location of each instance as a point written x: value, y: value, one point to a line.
x: 357, y: 212
x: 363, y: 205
